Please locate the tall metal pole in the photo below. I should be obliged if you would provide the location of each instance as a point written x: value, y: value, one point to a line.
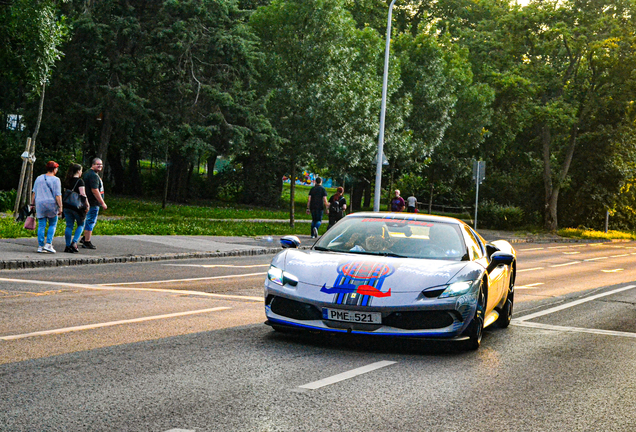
x: 385, y: 80
x: 477, y: 194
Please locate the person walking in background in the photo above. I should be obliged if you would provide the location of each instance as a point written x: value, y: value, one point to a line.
x: 411, y: 204
x: 337, y: 206
x: 73, y: 215
x: 316, y: 204
x: 47, y: 199
x: 95, y: 194
x: 397, y: 203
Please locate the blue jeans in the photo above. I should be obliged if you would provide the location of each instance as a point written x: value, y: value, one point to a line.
x: 72, y: 217
x: 91, y: 218
x: 42, y: 227
x: 316, y: 219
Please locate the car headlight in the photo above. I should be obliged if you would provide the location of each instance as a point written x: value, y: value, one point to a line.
x: 280, y: 277
x: 456, y: 289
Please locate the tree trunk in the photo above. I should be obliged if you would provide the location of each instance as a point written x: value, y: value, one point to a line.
x: 367, y: 193
x: 292, y: 193
x: 550, y: 199
x: 552, y: 190
x: 104, y: 139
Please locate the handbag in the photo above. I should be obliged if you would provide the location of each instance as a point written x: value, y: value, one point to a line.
x: 73, y: 200
x: 29, y: 223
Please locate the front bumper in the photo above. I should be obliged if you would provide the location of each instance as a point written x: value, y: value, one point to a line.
x: 421, y: 318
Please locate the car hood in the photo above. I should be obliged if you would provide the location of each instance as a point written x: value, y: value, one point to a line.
x: 329, y: 270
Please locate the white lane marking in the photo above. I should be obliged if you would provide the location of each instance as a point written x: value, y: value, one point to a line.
x: 528, y: 286
x: 531, y: 249
x: 189, y: 280
x: 557, y: 247
x: 612, y: 271
x: 595, y: 259
x: 573, y: 329
x: 346, y: 375
x: 572, y: 304
x: 566, y: 264
x: 114, y: 288
x: 110, y: 324
x: 618, y: 256
x: 571, y: 253
x: 181, y: 430
x: 217, y: 265
x: 530, y: 269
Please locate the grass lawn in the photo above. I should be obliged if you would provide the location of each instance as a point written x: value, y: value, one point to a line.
x: 128, y: 216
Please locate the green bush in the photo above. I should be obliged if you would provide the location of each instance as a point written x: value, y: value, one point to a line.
x: 7, y: 200
x: 497, y: 216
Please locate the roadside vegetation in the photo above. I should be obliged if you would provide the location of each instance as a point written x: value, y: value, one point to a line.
x: 215, y: 101
x: 590, y: 234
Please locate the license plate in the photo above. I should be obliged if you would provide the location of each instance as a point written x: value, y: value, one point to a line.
x: 352, y: 316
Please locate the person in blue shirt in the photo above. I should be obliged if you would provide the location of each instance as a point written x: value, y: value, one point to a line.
x: 47, y: 199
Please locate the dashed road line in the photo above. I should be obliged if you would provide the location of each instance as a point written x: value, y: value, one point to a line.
x: 532, y: 249
x: 110, y: 324
x: 612, y: 271
x: 557, y: 247
x: 572, y: 329
x: 189, y: 280
x: 619, y: 256
x: 117, y: 288
x: 572, y: 304
x: 566, y: 264
x: 217, y: 265
x: 530, y: 269
x: 346, y: 375
x: 571, y: 253
x: 595, y: 259
x: 528, y: 286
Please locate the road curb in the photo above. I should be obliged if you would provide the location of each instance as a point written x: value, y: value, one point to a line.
x: 60, y: 262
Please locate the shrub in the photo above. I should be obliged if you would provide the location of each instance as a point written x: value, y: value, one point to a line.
x: 497, y: 216
x: 7, y: 200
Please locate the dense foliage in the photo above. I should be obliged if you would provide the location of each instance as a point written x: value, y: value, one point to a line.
x: 164, y: 90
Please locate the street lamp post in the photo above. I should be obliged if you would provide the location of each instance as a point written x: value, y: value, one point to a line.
x: 385, y: 79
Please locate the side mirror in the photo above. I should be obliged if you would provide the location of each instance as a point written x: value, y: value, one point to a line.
x: 289, y: 241
x: 500, y: 258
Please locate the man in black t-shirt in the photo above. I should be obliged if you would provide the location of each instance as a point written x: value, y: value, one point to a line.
x: 95, y: 195
x: 316, y: 204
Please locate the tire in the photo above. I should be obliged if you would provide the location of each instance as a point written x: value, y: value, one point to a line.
x: 476, y: 327
x: 505, y: 316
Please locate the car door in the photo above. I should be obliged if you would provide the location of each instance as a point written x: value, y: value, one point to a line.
x: 496, y: 278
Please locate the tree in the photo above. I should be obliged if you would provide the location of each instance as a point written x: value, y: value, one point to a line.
x: 31, y: 34
x: 320, y: 75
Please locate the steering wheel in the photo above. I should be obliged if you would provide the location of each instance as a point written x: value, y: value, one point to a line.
x: 433, y: 250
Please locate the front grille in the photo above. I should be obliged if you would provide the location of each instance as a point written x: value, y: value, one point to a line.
x: 294, y: 309
x: 419, y: 320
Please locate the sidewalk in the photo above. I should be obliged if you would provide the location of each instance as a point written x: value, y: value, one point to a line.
x: 22, y: 253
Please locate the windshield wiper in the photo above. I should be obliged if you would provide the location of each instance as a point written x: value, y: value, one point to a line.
x: 320, y: 248
x: 386, y: 254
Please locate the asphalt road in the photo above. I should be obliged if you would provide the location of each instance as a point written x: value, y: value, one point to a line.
x: 180, y: 345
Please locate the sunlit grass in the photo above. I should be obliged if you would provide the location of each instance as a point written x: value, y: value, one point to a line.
x: 153, y: 224
x: 595, y: 235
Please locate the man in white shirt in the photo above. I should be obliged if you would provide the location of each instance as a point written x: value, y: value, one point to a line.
x: 411, y: 204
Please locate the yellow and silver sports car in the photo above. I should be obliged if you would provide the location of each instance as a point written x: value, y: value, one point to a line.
x: 393, y: 274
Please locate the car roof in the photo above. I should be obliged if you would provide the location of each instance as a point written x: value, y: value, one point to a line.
x: 406, y: 216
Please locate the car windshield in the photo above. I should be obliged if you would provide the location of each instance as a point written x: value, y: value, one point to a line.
x: 395, y: 237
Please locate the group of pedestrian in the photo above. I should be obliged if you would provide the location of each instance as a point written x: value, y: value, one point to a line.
x: 398, y: 203
x: 317, y: 203
x: 337, y: 204
x: 46, y: 197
